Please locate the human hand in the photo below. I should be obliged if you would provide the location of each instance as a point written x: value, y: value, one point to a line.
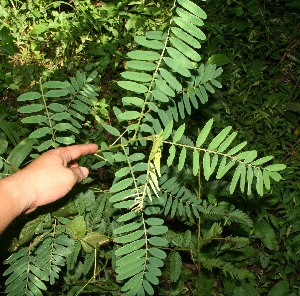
x: 49, y: 177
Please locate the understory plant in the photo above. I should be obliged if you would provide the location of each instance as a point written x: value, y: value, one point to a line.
x: 161, y: 224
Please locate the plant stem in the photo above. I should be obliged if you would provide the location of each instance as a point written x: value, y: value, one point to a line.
x: 199, y: 237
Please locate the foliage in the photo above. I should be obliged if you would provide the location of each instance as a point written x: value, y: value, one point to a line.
x: 162, y: 218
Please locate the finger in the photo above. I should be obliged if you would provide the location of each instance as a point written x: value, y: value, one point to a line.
x: 80, y: 173
x: 75, y: 151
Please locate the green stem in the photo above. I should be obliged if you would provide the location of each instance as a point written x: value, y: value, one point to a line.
x: 199, y: 237
x: 47, y: 112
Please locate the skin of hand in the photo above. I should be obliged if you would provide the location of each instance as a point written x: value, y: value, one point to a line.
x: 45, y: 180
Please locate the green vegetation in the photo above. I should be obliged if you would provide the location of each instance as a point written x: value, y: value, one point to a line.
x: 175, y: 204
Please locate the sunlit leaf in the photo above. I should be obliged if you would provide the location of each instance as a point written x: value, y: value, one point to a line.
x: 204, y: 133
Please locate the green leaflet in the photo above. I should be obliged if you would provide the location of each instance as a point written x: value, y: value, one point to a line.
x: 154, y: 221
x: 196, y: 164
x: 56, y: 84
x: 133, y: 86
x: 180, y: 59
x: 243, y: 178
x: 179, y: 133
x: 156, y: 35
x: 186, y: 37
x: 144, y: 55
x: 31, y: 108
x: 56, y: 107
x: 127, y: 204
x: 29, y: 96
x: 193, y: 99
x: 247, y: 156
x: 60, y: 116
x: 121, y: 185
x: 275, y: 176
x: 202, y: 94
x: 177, y: 67
x: 226, y: 168
x: 168, y: 130
x: 112, y: 130
x: 262, y: 160
x: 159, y: 96
x: 130, y: 257
x: 164, y: 87
x: 133, y: 282
x: 136, y: 76
x: 135, y: 264
x: 34, y: 119
x: 235, y: 178
x: 65, y: 140
x: 132, y: 101
x: 206, y: 166
x: 266, y: 179
x: 217, y: 140
x: 157, y: 230
x: 131, y: 247
x: 141, y: 65
x: 127, y: 228
x: 122, y: 172
x: 152, y: 278
x: 128, y: 115
x: 172, y: 151
x: 41, y: 132
x: 158, y: 241
x: 214, y: 163
x: 227, y: 142
x: 126, y: 217
x: 148, y: 288
x: 152, y: 44
x: 158, y: 253
x: 182, y: 158
x: 130, y: 272
x: 275, y: 167
x: 56, y: 93
x: 249, y: 179
x: 189, y: 17
x: 173, y: 82
x: 128, y: 238
x: 187, y: 104
x: 208, y: 73
x: 259, y: 182
x: 192, y: 8
x: 204, y: 133
x: 236, y: 149
x: 189, y: 28
x: 174, y: 208
x: 185, y: 49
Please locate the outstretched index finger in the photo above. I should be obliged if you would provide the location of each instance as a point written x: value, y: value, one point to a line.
x: 75, y: 151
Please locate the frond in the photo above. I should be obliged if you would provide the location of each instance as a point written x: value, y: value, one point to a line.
x: 218, y: 158
x: 222, y: 211
x: 177, y: 81
x: 59, y: 110
x: 227, y: 268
